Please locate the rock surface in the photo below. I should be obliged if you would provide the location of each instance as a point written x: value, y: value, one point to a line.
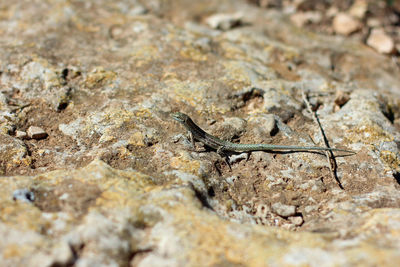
x: 117, y: 183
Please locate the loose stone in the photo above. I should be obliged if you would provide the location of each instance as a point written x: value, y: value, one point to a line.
x: 296, y: 220
x: 284, y: 210
x: 345, y: 24
x: 380, y: 41
x: 35, y: 132
x: 224, y: 21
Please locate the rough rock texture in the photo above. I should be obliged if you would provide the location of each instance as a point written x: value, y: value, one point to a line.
x: 116, y: 182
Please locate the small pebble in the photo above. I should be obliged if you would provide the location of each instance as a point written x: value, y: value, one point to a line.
x: 284, y: 210
x: 296, y: 220
x: 345, y: 24
x: 224, y: 21
x: 21, y: 134
x: 24, y: 195
x: 341, y: 98
x: 380, y: 41
x: 35, y: 132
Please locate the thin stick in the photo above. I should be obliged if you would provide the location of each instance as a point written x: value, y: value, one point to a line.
x: 329, y: 154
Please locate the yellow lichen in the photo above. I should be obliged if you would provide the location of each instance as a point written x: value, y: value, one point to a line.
x: 185, y: 164
x: 136, y: 139
x: 194, y: 54
x: 237, y: 73
x: 13, y: 250
x: 368, y: 133
x: 144, y: 54
x: 190, y: 92
x: 390, y: 159
x: 99, y: 77
x: 233, y: 51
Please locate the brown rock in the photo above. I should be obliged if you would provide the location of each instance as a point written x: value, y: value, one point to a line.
x: 341, y: 98
x: 380, y: 41
x: 35, y: 132
x: 345, y: 24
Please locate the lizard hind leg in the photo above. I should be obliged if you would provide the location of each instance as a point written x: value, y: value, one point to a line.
x: 224, y: 155
x: 248, y: 156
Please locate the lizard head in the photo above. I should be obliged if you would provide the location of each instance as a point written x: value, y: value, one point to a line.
x: 180, y: 117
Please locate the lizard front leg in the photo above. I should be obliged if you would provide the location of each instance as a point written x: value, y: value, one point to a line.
x: 191, y: 139
x: 193, y: 144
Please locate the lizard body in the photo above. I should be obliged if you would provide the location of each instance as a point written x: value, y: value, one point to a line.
x: 196, y: 133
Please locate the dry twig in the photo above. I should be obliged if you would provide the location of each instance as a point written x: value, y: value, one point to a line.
x: 329, y: 154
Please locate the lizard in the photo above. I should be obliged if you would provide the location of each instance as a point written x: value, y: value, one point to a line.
x: 222, y: 146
